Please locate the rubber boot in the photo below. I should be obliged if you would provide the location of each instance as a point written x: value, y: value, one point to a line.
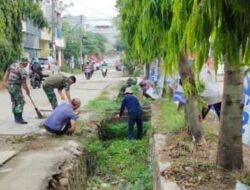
x: 16, y: 117
x: 19, y: 119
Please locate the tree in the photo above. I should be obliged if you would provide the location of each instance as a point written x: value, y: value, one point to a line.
x: 11, y: 15
x: 93, y: 43
x: 120, y: 45
x: 225, y: 24
x: 155, y: 30
x: 196, y: 25
x: 72, y: 41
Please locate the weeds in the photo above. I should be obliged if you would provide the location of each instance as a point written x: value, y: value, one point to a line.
x: 170, y: 120
x: 121, y: 163
x: 67, y: 69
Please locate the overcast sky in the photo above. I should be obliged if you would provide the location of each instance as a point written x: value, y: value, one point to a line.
x: 92, y: 8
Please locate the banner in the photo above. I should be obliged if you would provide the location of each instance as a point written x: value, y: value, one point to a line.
x: 246, y: 112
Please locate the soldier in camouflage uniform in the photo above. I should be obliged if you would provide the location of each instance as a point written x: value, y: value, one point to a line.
x: 60, y: 82
x: 16, y: 79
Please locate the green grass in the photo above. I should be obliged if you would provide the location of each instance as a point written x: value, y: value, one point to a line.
x: 169, y: 118
x: 103, y: 103
x: 120, y: 164
x: 103, y: 106
x: 122, y: 160
x: 119, y: 130
x: 245, y: 178
x: 67, y: 69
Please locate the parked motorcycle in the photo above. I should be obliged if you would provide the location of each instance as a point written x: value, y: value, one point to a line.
x: 35, y: 80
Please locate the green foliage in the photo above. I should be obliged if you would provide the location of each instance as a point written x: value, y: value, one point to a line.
x: 116, y: 131
x: 119, y: 130
x: 166, y: 28
x: 11, y: 36
x: 72, y: 41
x: 245, y: 178
x: 92, y: 43
x: 129, y: 65
x: 122, y: 160
x: 143, y: 33
x: 170, y: 120
x: 103, y: 106
x: 120, y: 45
x: 67, y: 69
x: 224, y: 24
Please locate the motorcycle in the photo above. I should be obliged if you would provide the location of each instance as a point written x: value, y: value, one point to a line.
x: 35, y: 80
x: 88, y: 71
x: 87, y: 75
x: 104, y: 72
x: 118, y: 67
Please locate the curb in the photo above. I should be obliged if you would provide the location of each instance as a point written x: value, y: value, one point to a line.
x: 158, y: 142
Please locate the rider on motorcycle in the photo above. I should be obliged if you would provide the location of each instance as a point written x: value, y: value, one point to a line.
x: 36, y: 69
x: 104, y: 65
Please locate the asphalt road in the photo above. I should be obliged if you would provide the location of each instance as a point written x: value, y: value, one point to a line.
x: 84, y: 89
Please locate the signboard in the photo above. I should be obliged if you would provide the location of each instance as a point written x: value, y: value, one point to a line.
x: 246, y: 112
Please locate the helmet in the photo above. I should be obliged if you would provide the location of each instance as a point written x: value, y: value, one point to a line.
x: 36, y: 62
x: 129, y: 81
x: 24, y: 60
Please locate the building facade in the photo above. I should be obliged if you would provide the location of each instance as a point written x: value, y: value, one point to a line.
x: 45, y: 42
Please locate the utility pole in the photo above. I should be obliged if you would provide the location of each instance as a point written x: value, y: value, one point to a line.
x: 53, y: 7
x: 81, y: 38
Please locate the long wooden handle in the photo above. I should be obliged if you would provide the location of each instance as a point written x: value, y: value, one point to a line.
x: 32, y: 101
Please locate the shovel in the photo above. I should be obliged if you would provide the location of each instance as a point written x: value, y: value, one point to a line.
x: 39, y: 114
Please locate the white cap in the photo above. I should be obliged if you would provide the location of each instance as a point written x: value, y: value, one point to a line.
x: 129, y: 90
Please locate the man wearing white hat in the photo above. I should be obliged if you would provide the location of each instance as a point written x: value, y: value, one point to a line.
x: 131, y: 103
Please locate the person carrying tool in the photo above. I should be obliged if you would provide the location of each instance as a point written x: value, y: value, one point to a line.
x: 63, y: 119
x: 134, y: 113
x: 60, y: 82
x: 15, y: 79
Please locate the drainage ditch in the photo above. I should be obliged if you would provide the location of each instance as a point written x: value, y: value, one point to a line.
x: 108, y: 161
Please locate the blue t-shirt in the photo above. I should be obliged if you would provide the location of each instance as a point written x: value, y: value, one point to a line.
x: 60, y: 117
x: 131, y: 103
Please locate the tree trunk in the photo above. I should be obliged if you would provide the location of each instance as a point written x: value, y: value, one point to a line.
x: 191, y: 107
x: 229, y: 155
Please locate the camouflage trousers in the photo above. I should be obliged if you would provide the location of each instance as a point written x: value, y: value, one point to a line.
x: 49, y: 91
x: 17, y: 98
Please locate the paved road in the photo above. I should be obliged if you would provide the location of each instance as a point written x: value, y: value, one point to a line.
x: 84, y: 89
x: 31, y: 168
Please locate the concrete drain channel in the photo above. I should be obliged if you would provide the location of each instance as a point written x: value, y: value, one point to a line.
x: 73, y: 174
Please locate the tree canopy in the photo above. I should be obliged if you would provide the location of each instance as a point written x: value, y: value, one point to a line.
x: 92, y: 43
x: 173, y: 30
x: 12, y: 13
